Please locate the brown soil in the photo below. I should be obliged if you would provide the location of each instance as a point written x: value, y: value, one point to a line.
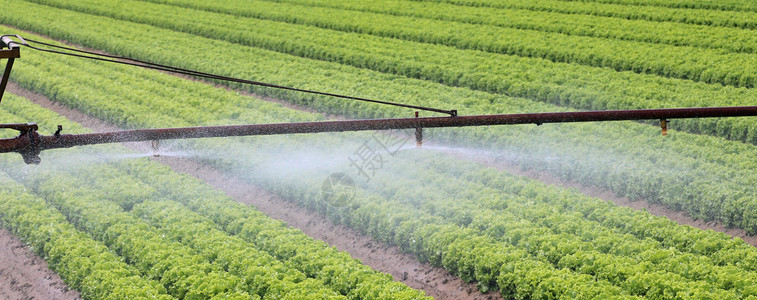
x: 24, y: 275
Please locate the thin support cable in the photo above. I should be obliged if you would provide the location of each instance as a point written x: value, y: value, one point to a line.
x: 166, y: 68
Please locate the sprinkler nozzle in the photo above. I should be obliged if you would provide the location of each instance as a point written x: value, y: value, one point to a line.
x: 664, y: 126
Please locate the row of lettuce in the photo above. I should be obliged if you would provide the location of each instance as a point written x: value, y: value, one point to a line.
x: 691, y: 63
x: 521, y: 255
x: 734, y: 5
x: 707, y: 177
x: 727, y: 38
x: 703, y: 16
x: 83, y: 263
x: 76, y: 208
x: 562, y: 84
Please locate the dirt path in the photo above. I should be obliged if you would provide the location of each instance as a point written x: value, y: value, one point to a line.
x: 436, y: 282
x: 24, y: 275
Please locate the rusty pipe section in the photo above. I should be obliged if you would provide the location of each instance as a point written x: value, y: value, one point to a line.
x: 30, y: 143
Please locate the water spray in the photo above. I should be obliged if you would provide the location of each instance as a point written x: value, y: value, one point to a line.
x: 155, y: 145
x: 418, y: 134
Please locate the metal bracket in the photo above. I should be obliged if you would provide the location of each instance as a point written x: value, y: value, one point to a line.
x: 27, y: 143
x: 11, y: 54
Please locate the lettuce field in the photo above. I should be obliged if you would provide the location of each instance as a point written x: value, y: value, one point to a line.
x: 610, y: 210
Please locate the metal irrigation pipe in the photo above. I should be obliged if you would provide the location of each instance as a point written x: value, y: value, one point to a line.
x: 30, y: 143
